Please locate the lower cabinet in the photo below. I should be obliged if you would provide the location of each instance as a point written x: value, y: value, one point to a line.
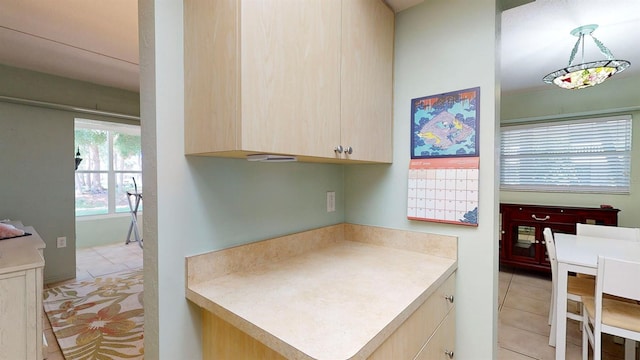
x: 443, y: 342
x: 429, y: 333
x: 21, y: 286
x: 221, y: 341
x: 21, y: 314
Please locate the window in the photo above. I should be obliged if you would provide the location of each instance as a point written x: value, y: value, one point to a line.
x: 582, y: 156
x: 111, y: 165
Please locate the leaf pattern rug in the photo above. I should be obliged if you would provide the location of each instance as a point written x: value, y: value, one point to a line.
x: 102, y: 318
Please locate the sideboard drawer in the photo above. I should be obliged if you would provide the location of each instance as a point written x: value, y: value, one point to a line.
x: 544, y: 216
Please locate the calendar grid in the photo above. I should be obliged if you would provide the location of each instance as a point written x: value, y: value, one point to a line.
x: 444, y: 190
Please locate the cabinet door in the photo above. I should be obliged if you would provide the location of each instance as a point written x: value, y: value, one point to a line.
x: 367, y: 80
x: 523, y: 240
x: 290, y: 79
x: 19, y: 307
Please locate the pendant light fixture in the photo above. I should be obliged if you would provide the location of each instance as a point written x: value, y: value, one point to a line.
x: 586, y: 74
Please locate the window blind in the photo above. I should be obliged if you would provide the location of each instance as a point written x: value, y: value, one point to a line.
x: 582, y: 156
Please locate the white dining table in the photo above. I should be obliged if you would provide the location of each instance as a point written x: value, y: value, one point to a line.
x: 579, y: 254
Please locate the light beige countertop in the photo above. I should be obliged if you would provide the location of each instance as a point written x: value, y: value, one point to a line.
x: 334, y: 299
x: 21, y: 253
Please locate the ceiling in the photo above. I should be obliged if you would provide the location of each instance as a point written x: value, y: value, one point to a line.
x: 97, y: 40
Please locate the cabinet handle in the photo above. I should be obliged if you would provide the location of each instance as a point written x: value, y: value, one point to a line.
x: 338, y: 149
x: 449, y: 298
x: 348, y: 150
x: 540, y: 219
x: 449, y: 353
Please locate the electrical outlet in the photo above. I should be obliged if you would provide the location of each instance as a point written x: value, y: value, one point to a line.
x: 331, y: 201
x: 62, y: 242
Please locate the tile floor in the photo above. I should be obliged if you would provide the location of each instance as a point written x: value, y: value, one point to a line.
x: 523, y: 332
x: 91, y: 263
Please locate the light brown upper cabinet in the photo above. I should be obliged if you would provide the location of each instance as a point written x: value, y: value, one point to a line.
x: 289, y: 77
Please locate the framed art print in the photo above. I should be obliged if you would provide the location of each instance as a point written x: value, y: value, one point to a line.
x: 446, y: 125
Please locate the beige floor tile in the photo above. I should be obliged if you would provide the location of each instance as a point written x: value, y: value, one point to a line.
x: 92, y: 261
x: 522, y: 323
x: 523, y: 301
x: 525, y: 342
x: 525, y: 320
x: 534, y: 292
x: 102, y: 270
x: 55, y: 356
x: 505, y: 354
x: 82, y: 274
x: 502, y: 292
x: 505, y: 275
x: 533, y: 279
x: 51, y: 341
x: 134, y: 264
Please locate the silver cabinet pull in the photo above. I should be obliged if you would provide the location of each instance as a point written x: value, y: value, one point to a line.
x: 348, y: 150
x: 449, y: 298
x: 540, y: 219
x: 449, y: 353
x: 338, y: 149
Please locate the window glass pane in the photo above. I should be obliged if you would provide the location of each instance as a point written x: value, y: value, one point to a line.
x: 111, y: 159
x: 91, y: 194
x: 94, y: 149
x: 131, y: 182
x: 126, y: 155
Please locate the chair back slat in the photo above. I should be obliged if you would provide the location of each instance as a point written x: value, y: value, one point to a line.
x: 609, y: 232
x: 619, y: 277
x: 551, y: 252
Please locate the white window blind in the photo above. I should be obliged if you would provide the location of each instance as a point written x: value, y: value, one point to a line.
x: 582, y: 156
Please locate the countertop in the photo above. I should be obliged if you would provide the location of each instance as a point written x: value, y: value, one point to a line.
x: 21, y: 253
x: 340, y: 300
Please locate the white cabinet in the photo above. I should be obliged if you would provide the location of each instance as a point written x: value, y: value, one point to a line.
x: 21, y: 312
x: 289, y: 77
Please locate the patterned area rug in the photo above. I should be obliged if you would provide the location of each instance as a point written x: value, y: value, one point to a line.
x: 100, y: 318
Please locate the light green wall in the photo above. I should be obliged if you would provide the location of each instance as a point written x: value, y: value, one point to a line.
x: 198, y: 204
x: 441, y: 46
x: 107, y: 230
x: 201, y: 204
x: 613, y: 97
x: 36, y: 147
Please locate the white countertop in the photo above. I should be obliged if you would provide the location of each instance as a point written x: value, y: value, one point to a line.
x: 338, y: 302
x: 22, y: 252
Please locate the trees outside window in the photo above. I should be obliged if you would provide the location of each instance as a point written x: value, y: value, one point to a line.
x: 111, y: 166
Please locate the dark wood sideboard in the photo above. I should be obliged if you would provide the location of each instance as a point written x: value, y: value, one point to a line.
x: 521, y: 241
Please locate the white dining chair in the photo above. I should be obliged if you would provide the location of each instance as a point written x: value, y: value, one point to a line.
x: 611, y: 232
x: 618, y: 316
x: 577, y: 287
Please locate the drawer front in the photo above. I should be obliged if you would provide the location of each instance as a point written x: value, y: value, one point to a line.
x: 411, y: 336
x: 543, y: 216
x: 443, y: 342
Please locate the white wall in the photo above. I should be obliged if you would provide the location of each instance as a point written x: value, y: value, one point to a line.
x: 441, y: 46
